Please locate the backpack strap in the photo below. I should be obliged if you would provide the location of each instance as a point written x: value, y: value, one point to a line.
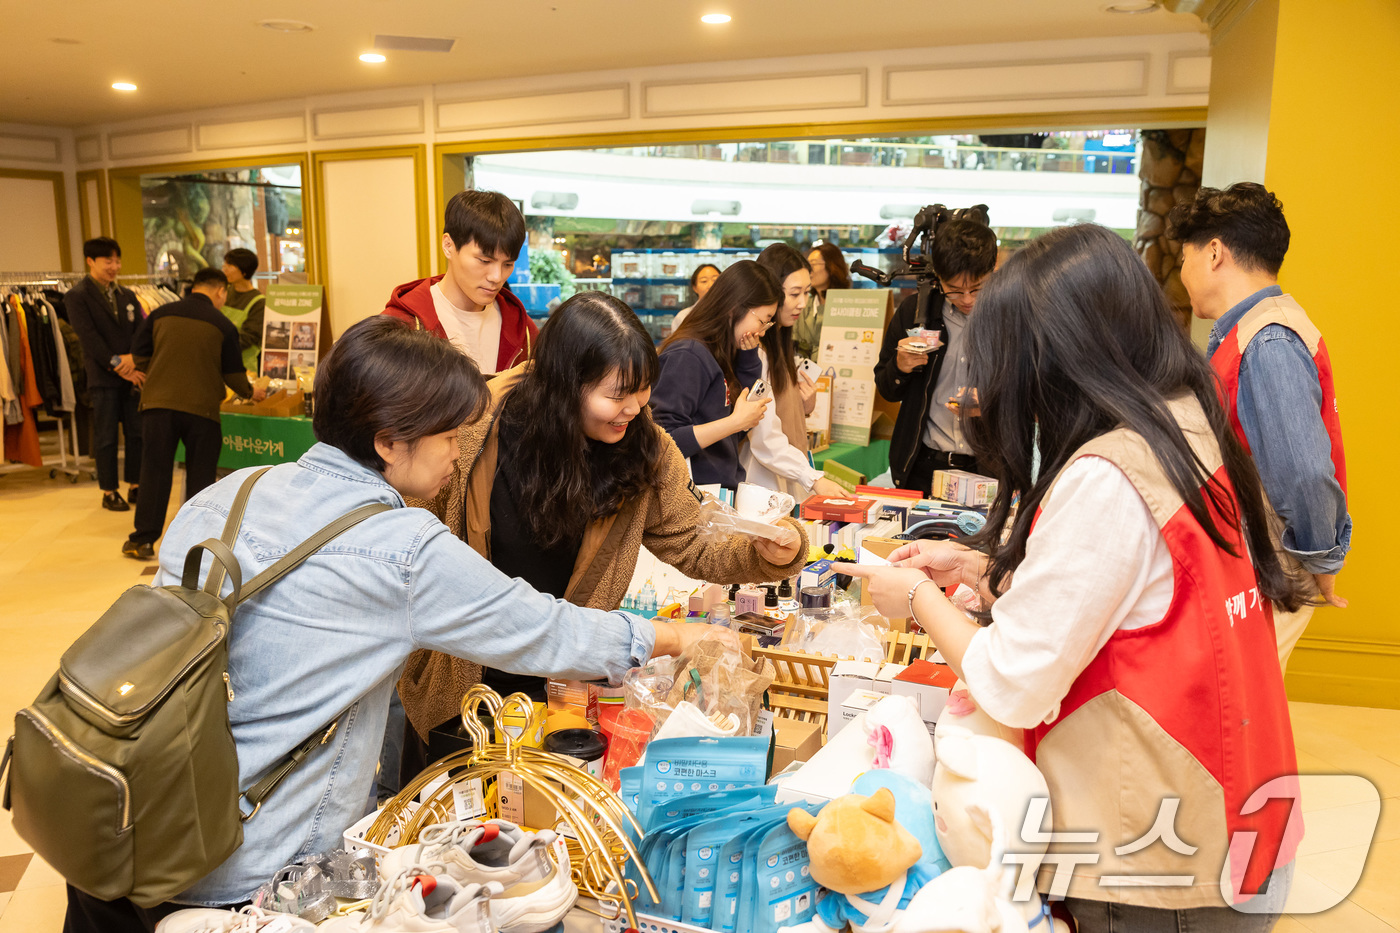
x: 224, y: 561
x: 259, y: 792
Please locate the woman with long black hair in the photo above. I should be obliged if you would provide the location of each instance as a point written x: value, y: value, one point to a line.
x: 702, y: 399
x: 1132, y: 633
x: 829, y: 270
x: 777, y: 453
x: 564, y: 481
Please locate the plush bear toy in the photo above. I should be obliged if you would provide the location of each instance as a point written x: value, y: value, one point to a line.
x: 984, y: 788
x: 867, y: 861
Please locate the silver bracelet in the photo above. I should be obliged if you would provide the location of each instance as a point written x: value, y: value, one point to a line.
x: 912, y: 590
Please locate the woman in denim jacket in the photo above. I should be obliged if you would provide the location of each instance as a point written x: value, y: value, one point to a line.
x: 334, y: 635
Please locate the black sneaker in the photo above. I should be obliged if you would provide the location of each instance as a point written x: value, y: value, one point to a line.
x: 137, y: 551
x: 113, y: 502
x: 131, y: 494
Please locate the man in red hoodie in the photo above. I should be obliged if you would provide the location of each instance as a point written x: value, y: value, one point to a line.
x: 471, y: 305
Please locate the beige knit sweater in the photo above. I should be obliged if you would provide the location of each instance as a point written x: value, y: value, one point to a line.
x: 663, y: 520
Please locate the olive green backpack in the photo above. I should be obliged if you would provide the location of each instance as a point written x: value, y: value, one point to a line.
x: 123, y: 773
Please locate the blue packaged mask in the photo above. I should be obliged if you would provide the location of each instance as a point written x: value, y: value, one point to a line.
x: 703, y: 859
x: 710, y: 804
x: 692, y: 765
x: 739, y: 899
x: 729, y: 879
x: 630, y: 787
x: 784, y: 893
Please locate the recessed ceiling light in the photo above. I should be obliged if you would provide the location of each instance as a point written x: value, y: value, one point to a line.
x: 374, y: 58
x: 123, y: 86
x: 286, y: 25
x: 1133, y: 6
x: 714, y: 19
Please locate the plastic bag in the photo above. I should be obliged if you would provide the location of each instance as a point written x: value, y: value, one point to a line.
x: 842, y: 631
x: 716, y: 686
x: 718, y: 521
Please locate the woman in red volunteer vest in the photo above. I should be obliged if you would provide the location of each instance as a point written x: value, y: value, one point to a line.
x: 1132, y: 633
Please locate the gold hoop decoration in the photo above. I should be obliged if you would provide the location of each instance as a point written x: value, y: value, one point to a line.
x: 604, y: 827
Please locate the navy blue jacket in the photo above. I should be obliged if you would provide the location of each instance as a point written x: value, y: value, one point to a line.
x: 691, y: 390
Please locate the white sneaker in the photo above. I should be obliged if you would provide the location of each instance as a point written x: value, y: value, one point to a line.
x: 247, y: 920
x: 538, y: 890
x: 422, y: 903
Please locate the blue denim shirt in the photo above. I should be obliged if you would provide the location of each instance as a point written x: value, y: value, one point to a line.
x: 334, y: 633
x: 1279, y: 405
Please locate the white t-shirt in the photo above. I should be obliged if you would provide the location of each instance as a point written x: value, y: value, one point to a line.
x: 475, y: 333
x: 769, y: 459
x: 1096, y: 564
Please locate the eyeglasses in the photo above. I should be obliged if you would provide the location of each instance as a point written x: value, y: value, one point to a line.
x: 961, y: 292
x: 766, y: 323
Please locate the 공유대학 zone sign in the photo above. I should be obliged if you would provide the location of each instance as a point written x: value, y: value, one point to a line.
x: 291, y: 329
x: 852, y: 328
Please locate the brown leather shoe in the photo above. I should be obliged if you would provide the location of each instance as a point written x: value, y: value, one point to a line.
x: 113, y: 502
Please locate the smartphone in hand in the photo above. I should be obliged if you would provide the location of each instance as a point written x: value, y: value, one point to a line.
x: 810, y: 368
x: 761, y: 390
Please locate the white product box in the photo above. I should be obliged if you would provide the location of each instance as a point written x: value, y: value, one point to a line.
x: 857, y: 703
x: 846, y: 678
x: 929, y: 684
x: 884, y: 680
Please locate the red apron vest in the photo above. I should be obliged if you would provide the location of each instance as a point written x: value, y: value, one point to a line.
x: 1192, y: 708
x: 1282, y: 310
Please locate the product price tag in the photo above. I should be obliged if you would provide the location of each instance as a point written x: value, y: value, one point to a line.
x: 510, y: 797
x: 468, y: 800
x: 763, y: 723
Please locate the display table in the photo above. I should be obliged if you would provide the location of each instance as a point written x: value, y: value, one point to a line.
x: 871, y: 460
x: 259, y: 440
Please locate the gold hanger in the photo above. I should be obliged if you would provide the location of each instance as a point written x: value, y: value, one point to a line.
x: 604, y: 826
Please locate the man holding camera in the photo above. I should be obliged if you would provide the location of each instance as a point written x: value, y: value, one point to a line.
x: 927, y: 372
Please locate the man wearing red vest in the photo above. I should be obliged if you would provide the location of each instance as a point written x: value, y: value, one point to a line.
x: 1275, y: 380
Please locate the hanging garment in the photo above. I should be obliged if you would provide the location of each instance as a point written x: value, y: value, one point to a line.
x: 22, y: 440
x: 67, y: 397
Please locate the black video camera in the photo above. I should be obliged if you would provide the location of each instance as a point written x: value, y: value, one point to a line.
x: 927, y: 223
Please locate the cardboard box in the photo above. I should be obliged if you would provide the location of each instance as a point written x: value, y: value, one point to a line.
x: 884, y: 681
x: 833, y: 509
x: 963, y: 487
x: 573, y: 696
x: 794, y: 741
x: 858, y: 702
x: 817, y: 573
x: 929, y: 684
x: 846, y: 678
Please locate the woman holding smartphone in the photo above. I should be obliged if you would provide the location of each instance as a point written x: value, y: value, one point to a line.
x: 777, y: 452
x: 699, y: 399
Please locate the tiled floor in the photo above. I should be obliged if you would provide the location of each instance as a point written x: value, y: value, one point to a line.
x: 60, y: 566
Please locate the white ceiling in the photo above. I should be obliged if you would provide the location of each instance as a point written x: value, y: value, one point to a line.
x: 61, y: 56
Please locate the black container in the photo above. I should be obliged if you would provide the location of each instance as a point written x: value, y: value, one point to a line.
x: 815, y: 597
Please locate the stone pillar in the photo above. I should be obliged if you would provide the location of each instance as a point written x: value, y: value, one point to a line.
x: 1171, y: 174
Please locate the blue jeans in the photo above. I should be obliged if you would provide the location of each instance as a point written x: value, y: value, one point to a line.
x: 1103, y: 917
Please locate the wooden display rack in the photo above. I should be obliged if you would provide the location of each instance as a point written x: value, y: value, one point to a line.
x: 804, y: 680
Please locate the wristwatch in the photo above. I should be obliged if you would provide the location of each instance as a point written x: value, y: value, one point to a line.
x: 115, y: 361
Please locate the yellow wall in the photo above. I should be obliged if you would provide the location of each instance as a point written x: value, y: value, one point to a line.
x: 1331, y: 158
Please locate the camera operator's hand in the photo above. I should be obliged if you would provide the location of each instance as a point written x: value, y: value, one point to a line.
x: 909, y: 360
